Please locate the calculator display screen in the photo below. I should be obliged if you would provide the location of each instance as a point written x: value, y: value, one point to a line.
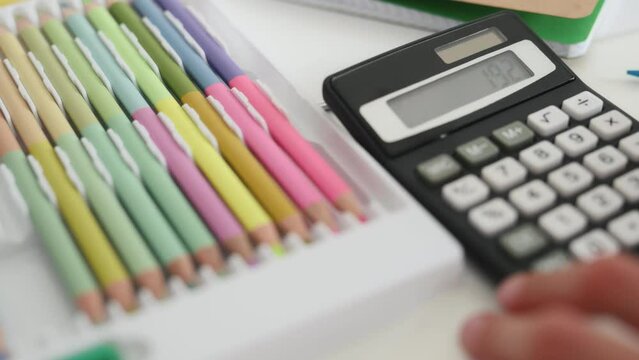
x: 460, y: 88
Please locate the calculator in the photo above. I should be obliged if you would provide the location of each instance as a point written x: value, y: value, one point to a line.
x: 490, y: 131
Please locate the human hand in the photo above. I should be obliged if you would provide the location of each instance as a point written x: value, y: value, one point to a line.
x: 547, y: 315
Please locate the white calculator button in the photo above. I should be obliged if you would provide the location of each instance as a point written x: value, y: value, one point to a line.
x: 611, y: 125
x: 577, y: 141
x: 533, y: 197
x: 628, y: 185
x: 493, y: 217
x: 548, y: 121
x: 504, y: 174
x: 466, y: 192
x: 563, y: 222
x: 626, y: 228
x: 583, y: 106
x: 606, y: 162
x: 571, y: 179
x: 600, y: 203
x: 541, y: 157
x: 630, y: 146
x: 594, y: 245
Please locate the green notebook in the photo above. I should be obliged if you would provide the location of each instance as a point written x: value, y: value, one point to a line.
x: 568, y: 37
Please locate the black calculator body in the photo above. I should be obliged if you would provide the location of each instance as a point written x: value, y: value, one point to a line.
x: 493, y: 134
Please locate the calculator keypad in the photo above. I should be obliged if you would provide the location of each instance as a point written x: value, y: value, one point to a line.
x: 626, y: 228
x: 571, y: 179
x: 504, y: 174
x: 562, y: 190
x: 493, y: 217
x: 541, y: 157
x: 606, y: 162
x: 478, y: 151
x: 514, y: 136
x: 582, y: 106
x: 577, y: 141
x: 611, y: 125
x: 630, y: 146
x: 548, y: 121
x: 628, y: 186
x: 466, y: 192
x: 533, y: 198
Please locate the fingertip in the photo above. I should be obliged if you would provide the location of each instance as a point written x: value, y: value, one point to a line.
x: 474, y: 331
x: 511, y: 291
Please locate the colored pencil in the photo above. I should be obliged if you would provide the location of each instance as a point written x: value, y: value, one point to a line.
x: 151, y: 218
x: 90, y: 238
x: 300, y: 150
x: 292, y: 179
x: 263, y: 186
x: 245, y: 207
x: 219, y: 219
x: 57, y: 240
x: 111, y: 214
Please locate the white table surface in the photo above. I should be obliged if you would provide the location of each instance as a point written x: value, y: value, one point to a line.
x: 307, y: 44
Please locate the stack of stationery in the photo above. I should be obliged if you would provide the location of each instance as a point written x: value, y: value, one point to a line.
x: 147, y: 183
x: 568, y: 25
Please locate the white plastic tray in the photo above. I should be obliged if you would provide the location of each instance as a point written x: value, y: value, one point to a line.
x: 303, y: 305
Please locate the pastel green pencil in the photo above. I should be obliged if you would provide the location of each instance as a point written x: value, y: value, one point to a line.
x: 90, y: 237
x: 172, y: 207
x: 229, y: 186
x: 91, y: 175
x: 158, y: 181
x: 57, y: 240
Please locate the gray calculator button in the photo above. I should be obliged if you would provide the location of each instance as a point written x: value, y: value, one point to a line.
x: 514, y: 136
x: 523, y: 241
x: 533, y: 197
x: 548, y: 121
x: 466, y: 192
x: 628, y: 186
x: 552, y: 262
x: 541, y: 157
x: 493, y: 217
x: 577, y: 141
x: 606, y: 162
x: 478, y: 151
x: 630, y: 146
x: 563, y: 222
x: 626, y: 228
x: 594, y: 245
x: 611, y: 125
x: 439, y: 169
x: 600, y: 203
x: 583, y: 106
x: 504, y: 174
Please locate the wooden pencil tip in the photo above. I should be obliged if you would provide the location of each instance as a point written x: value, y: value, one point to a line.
x: 321, y: 213
x: 295, y: 224
x: 122, y: 292
x: 266, y: 234
x: 212, y: 257
x: 93, y: 306
x: 242, y: 246
x: 349, y: 203
x: 154, y: 282
x: 184, y: 269
x: 23, y: 22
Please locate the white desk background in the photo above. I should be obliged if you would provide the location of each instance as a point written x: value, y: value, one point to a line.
x: 307, y: 44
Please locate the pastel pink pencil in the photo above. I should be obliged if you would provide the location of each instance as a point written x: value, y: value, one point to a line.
x: 284, y: 170
x: 282, y: 131
x: 217, y: 217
